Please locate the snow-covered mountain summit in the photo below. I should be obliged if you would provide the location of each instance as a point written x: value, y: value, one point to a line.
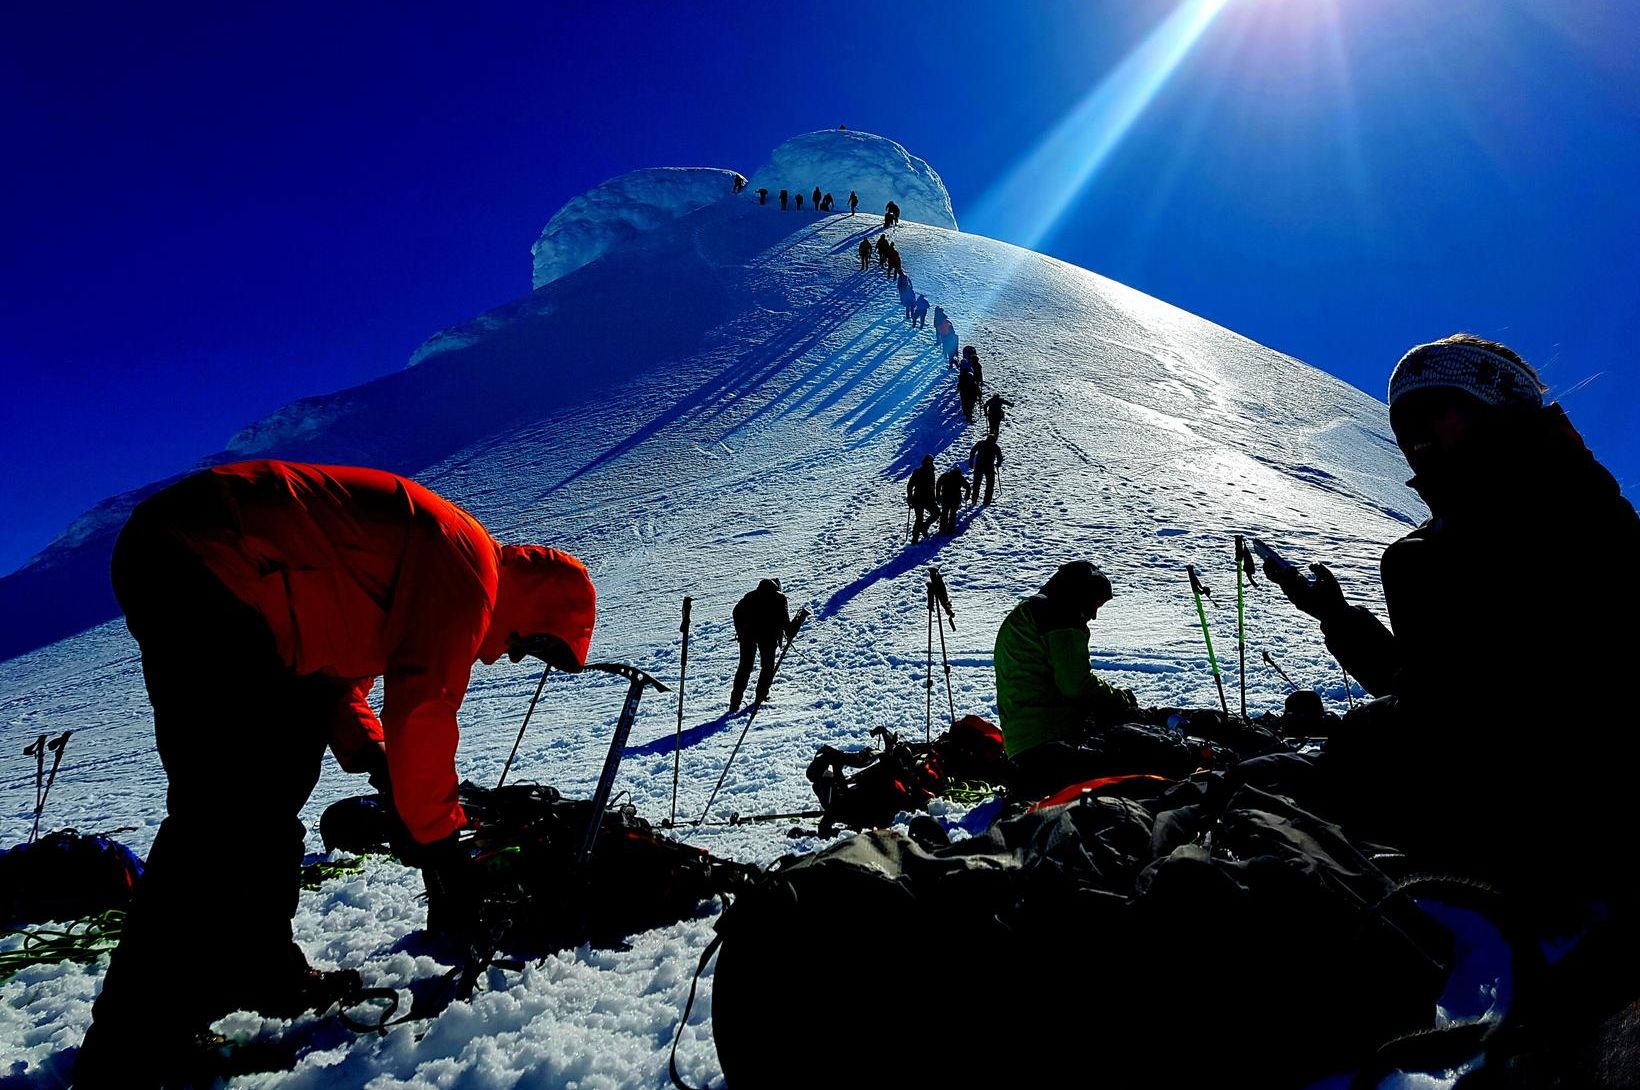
x: 721, y: 396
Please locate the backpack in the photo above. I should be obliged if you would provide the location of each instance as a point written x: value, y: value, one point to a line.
x: 904, y: 776
x: 1215, y: 935
x: 65, y: 875
x: 528, y: 836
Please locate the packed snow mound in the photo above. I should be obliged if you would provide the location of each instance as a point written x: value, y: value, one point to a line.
x: 875, y: 167
x: 620, y: 209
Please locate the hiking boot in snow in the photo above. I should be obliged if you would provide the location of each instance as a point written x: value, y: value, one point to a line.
x: 311, y: 990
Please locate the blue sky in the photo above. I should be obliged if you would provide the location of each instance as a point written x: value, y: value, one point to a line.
x: 213, y: 210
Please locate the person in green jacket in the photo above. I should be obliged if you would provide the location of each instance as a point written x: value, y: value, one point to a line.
x: 1047, y: 691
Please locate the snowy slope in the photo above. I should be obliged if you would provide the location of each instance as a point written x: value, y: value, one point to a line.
x: 756, y: 415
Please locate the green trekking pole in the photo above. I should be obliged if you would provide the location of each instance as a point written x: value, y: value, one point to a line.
x: 1244, y: 566
x: 1201, y: 592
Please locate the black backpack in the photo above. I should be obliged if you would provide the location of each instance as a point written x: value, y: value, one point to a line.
x: 1218, y: 935
x: 64, y: 876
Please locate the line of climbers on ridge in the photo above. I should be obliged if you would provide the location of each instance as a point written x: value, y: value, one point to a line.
x: 819, y: 202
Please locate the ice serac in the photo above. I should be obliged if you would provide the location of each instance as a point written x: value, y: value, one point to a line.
x: 621, y: 209
x: 875, y: 167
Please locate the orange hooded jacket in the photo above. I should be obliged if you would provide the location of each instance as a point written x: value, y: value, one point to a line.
x: 363, y: 574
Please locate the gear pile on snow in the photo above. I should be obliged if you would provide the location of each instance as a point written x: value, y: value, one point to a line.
x: 527, y: 837
x: 65, y: 875
x: 1072, y: 938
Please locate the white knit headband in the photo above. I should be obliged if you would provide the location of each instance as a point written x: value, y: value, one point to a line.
x: 1493, y: 378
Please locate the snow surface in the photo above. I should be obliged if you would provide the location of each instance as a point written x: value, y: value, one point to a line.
x: 875, y: 167
x: 757, y: 418
x: 621, y: 209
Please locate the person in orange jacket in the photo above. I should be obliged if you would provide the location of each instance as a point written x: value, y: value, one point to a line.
x: 267, y: 597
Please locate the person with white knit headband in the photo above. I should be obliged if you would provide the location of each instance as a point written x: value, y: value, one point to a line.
x: 1495, y: 682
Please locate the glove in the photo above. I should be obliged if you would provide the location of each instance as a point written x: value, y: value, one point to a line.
x: 452, y: 897
x: 374, y: 766
x: 1320, y: 596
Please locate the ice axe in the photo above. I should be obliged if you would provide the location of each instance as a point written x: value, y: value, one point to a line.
x: 638, y: 681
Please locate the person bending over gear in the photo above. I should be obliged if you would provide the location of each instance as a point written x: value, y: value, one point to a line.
x: 985, y: 459
x: 762, y: 620
x: 952, y: 490
x: 828, y: 203
x: 994, y: 414
x: 266, y: 598
x: 891, y: 214
x: 1492, y: 683
x: 1047, y: 693
x: 739, y: 184
x: 919, y: 496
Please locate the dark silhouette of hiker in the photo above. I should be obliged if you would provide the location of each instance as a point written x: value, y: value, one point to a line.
x: 919, y: 496
x: 968, y: 391
x: 800, y: 202
x: 985, y: 459
x: 740, y: 183
x: 783, y: 200
x: 907, y: 297
x: 953, y: 489
x: 817, y: 198
x: 882, y: 251
x: 994, y: 414
x: 828, y: 202
x: 865, y: 254
x: 894, y: 266
x: 853, y: 201
x: 919, y: 312
x: 970, y: 356
x: 762, y: 620
x: 891, y: 215
x: 763, y: 196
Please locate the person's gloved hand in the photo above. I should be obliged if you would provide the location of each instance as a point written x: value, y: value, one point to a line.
x: 452, y: 894
x: 374, y: 765
x: 1320, y: 596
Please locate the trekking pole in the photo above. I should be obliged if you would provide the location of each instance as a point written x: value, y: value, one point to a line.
x: 1348, y: 696
x: 542, y: 684
x: 938, y: 595
x: 797, y: 624
x: 1200, y: 592
x: 1272, y: 664
x: 928, y: 671
x: 683, y: 672
x: 1244, y: 566
x: 42, y: 781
